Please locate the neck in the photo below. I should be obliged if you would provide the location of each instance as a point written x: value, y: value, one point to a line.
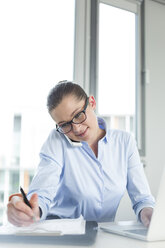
x: 94, y: 144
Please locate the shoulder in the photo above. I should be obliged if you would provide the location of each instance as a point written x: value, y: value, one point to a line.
x: 121, y: 138
x: 53, y: 144
x: 122, y: 141
x: 54, y: 137
x: 117, y: 135
x: 54, y: 148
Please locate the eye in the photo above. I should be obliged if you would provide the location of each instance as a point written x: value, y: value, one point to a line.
x: 78, y: 115
x: 64, y: 125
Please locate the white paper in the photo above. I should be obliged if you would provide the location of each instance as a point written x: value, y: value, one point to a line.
x: 52, y: 227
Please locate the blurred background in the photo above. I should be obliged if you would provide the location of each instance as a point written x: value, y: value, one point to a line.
x: 113, y: 49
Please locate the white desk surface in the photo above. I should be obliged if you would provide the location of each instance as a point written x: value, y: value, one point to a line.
x: 103, y: 240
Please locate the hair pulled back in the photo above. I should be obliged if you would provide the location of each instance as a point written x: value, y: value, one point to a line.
x: 62, y: 89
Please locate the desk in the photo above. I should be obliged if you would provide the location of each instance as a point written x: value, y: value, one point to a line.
x: 103, y: 240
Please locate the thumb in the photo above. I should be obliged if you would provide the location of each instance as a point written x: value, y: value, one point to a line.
x: 34, y: 201
x: 34, y: 204
x: 146, y: 221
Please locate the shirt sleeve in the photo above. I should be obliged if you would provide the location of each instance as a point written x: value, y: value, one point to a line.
x: 47, y: 178
x: 137, y: 184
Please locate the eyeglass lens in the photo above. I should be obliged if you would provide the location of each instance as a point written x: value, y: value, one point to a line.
x: 78, y: 119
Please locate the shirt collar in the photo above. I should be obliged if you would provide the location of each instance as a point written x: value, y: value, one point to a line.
x: 102, y: 124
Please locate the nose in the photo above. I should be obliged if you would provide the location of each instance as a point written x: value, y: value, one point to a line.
x: 76, y: 127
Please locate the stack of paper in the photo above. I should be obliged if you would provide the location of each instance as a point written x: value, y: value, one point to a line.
x: 52, y: 227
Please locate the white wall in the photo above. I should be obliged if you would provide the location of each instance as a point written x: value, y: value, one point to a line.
x: 155, y: 92
x: 154, y: 101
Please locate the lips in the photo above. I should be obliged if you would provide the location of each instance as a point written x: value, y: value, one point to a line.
x: 82, y: 133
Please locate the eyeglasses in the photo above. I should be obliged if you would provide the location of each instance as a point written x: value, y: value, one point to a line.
x: 77, y: 119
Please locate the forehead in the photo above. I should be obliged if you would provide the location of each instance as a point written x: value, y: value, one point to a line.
x: 67, y: 108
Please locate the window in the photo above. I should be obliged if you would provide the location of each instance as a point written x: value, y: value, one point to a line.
x: 117, y: 65
x: 15, y: 158
x: 117, y: 49
x: 2, y: 179
x: 36, y: 51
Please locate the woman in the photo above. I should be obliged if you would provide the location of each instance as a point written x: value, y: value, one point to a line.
x: 84, y: 168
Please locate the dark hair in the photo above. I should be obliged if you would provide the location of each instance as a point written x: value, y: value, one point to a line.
x: 64, y: 88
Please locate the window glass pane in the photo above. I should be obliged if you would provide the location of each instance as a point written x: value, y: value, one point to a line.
x: 1, y: 214
x: 13, y: 182
x: 36, y: 51
x: 2, y: 180
x: 116, y: 89
x: 15, y: 159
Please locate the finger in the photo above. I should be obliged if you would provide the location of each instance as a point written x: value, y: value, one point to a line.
x: 15, y: 199
x: 17, y: 214
x: 146, y: 223
x: 17, y: 222
x: 13, y: 221
x: 21, y: 206
x: 145, y: 220
x: 16, y: 194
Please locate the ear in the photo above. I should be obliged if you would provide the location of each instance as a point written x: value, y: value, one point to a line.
x: 92, y: 102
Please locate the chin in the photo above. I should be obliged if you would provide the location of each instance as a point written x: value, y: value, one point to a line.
x: 80, y: 138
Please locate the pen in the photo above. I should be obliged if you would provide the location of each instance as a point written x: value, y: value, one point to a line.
x: 26, y: 200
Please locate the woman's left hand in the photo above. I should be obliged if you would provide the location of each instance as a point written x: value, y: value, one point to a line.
x: 145, y: 216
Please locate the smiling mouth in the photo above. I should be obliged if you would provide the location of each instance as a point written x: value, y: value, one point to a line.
x: 83, y: 133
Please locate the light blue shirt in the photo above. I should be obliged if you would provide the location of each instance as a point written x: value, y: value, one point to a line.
x: 71, y: 180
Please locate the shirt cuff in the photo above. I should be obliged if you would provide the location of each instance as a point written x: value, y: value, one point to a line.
x: 43, y: 211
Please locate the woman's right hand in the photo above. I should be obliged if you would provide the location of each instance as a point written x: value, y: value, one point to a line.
x: 19, y: 214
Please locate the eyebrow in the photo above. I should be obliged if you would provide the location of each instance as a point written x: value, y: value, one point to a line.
x: 72, y: 114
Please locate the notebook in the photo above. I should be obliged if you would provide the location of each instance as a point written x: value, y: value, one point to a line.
x: 132, y: 229
x: 69, y: 232
x: 54, y: 227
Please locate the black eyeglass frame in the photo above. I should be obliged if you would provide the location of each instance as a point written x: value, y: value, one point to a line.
x: 58, y: 128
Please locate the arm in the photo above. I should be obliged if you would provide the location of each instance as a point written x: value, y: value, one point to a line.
x: 43, y: 186
x: 47, y: 178
x: 45, y: 183
x: 137, y: 185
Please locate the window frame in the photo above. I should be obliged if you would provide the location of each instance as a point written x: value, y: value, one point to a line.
x: 86, y: 54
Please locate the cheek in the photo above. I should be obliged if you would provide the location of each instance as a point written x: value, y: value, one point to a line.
x: 91, y: 119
